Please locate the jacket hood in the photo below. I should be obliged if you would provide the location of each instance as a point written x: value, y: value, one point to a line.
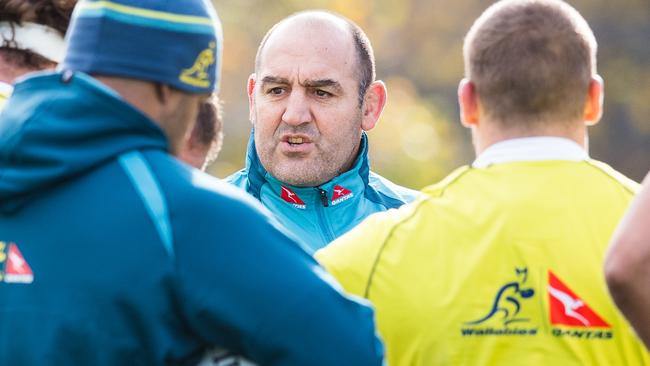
x: 258, y: 176
x: 59, y: 125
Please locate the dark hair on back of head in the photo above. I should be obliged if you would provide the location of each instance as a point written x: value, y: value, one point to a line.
x: 208, y: 130
x: 52, y: 13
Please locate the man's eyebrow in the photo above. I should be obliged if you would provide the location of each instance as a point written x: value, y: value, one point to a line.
x: 323, y: 83
x: 274, y: 80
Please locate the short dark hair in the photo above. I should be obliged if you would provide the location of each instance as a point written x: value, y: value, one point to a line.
x: 208, y: 129
x: 365, y: 54
x: 52, y: 13
x: 531, y: 61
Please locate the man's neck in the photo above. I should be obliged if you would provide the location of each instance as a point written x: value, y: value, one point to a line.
x: 140, y: 95
x: 10, y: 73
x: 489, y: 134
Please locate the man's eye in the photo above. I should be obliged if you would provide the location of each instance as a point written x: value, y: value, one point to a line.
x: 275, y: 91
x: 322, y: 93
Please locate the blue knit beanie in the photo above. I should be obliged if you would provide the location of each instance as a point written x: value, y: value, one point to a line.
x: 174, y: 42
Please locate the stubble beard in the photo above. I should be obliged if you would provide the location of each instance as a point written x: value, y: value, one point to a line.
x: 324, y: 164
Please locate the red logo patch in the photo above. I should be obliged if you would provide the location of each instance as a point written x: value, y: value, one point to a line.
x: 568, y: 309
x: 291, y: 197
x: 340, y: 194
x: 17, y: 269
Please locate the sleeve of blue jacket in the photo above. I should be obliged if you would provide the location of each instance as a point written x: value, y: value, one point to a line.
x: 247, y: 286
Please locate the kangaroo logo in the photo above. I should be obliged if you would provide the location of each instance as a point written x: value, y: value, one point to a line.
x: 570, y: 305
x: 507, y: 300
x: 341, y: 194
x: 566, y: 308
x: 290, y: 195
x: 197, y: 75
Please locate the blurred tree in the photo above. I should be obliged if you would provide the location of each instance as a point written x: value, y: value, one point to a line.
x: 418, y: 47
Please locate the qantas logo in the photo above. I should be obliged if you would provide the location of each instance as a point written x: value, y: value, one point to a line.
x: 16, y: 269
x: 566, y: 308
x: 341, y: 194
x: 291, y: 197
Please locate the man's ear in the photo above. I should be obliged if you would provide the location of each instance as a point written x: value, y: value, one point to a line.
x: 163, y: 92
x: 168, y: 98
x: 594, y: 103
x: 468, y: 103
x: 373, y: 104
x: 250, y: 88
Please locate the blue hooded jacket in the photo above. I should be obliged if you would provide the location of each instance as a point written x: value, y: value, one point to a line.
x: 318, y: 215
x: 112, y: 252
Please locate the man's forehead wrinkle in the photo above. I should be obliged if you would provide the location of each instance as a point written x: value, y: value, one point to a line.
x: 306, y: 83
x: 275, y: 80
x: 318, y: 82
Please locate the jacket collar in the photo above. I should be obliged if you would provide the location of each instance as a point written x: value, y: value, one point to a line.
x: 341, y: 188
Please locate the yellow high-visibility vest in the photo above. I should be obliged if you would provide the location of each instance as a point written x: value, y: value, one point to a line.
x: 500, y: 265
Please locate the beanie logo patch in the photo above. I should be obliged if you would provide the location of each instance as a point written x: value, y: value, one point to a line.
x: 198, y: 74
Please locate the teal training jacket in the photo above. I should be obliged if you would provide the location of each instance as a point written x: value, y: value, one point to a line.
x: 318, y: 215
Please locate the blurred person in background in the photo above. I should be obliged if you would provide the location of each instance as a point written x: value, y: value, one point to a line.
x: 31, y: 36
x: 32, y: 40
x: 627, y: 266
x: 312, y: 97
x: 501, y: 263
x: 204, y: 142
x: 113, y: 252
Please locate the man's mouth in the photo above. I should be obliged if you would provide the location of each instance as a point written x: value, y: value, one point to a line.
x: 294, y: 140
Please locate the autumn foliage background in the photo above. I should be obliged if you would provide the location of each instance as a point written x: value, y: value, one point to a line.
x: 418, y: 48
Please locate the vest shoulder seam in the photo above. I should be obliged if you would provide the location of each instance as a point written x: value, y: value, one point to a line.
x: 438, y: 189
x: 384, y: 244
x: 611, y: 174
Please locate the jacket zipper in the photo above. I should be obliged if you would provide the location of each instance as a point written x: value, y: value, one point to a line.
x: 329, y: 234
x: 323, y: 197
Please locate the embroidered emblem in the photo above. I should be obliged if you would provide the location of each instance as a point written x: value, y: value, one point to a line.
x: 198, y: 75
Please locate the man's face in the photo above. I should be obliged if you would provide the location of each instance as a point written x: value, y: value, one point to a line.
x: 304, y: 104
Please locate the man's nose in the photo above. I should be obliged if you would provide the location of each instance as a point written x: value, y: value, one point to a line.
x: 297, y: 110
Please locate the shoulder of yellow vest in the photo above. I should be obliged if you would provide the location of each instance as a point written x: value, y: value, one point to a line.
x: 436, y: 190
x: 627, y: 183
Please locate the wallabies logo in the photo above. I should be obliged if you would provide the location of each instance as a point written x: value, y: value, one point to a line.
x: 198, y: 75
x: 507, y: 302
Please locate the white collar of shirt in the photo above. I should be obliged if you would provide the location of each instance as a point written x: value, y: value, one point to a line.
x: 531, y: 149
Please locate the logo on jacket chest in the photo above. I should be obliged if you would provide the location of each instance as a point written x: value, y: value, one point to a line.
x: 292, y: 198
x: 341, y: 194
x: 15, y: 268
